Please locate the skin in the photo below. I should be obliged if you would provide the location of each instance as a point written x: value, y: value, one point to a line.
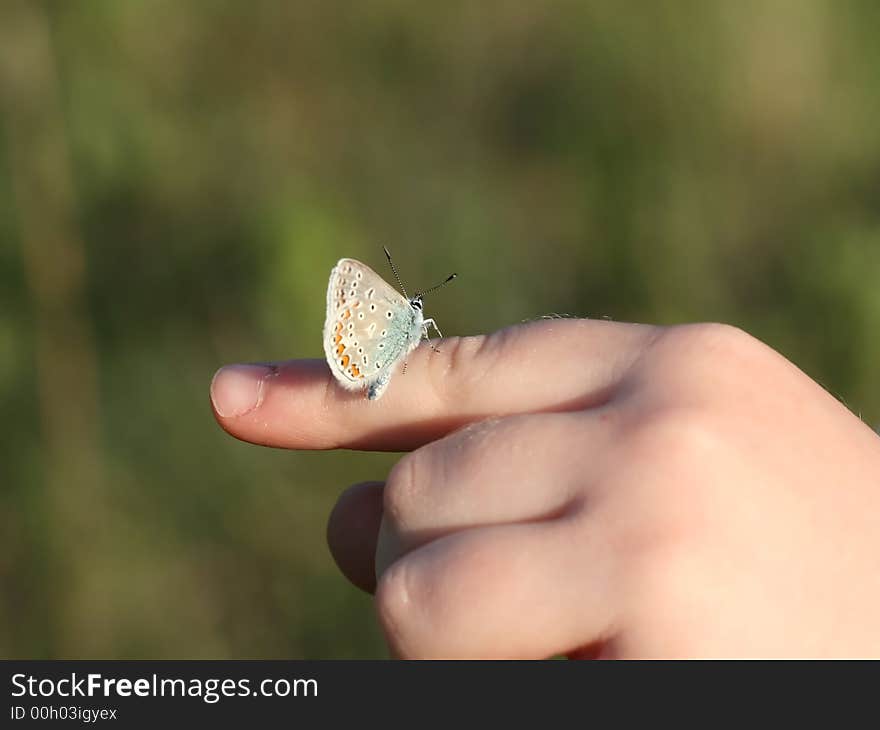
x: 594, y: 489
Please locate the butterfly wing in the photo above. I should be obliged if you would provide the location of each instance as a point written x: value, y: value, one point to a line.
x: 368, y: 328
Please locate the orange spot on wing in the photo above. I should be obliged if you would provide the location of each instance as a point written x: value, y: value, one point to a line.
x: 339, y: 349
x: 338, y: 327
x: 346, y: 314
x: 354, y: 371
x: 337, y: 340
x: 345, y: 361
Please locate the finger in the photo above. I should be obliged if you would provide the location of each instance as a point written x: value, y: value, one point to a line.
x: 493, y: 472
x: 526, y: 591
x: 550, y: 365
x: 352, y: 532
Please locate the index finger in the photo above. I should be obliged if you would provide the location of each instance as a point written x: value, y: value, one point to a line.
x: 547, y: 365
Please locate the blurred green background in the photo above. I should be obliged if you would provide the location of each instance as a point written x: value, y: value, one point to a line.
x: 177, y: 179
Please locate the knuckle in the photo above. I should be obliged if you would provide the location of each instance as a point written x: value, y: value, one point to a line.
x: 725, y: 340
x: 425, y: 476
x: 393, y: 606
x: 674, y: 443
x: 670, y: 458
x: 669, y: 454
x: 711, y: 333
x: 425, y: 608
x: 713, y: 342
x: 705, y: 365
x: 401, y: 486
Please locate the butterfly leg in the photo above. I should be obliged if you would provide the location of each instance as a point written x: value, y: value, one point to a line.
x: 430, y: 322
x: 425, y: 325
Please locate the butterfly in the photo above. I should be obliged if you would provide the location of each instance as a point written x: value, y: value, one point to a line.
x: 370, y: 327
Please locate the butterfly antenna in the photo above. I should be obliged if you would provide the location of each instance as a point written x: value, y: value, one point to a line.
x: 437, y: 286
x: 396, y: 275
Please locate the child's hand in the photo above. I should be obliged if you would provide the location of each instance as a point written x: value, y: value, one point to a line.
x: 635, y: 491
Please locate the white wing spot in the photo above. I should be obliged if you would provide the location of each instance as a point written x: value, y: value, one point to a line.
x: 370, y: 292
x: 360, y: 315
x: 389, y: 314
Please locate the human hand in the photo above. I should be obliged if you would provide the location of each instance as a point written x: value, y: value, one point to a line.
x: 618, y: 491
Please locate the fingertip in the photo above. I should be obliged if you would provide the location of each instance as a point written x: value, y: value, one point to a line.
x: 353, y: 530
x: 282, y: 404
x: 238, y: 389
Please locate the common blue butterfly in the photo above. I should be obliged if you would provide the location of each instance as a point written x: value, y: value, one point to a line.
x: 370, y: 327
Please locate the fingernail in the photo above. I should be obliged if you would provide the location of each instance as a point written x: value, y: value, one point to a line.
x: 238, y: 389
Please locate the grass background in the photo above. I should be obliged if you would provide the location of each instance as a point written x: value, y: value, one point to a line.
x: 177, y: 179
